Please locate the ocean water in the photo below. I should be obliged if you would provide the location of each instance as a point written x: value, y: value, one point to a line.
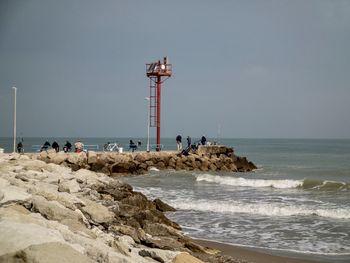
x: 296, y: 204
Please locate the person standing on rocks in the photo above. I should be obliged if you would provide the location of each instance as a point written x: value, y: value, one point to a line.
x: 20, y: 147
x: 203, y: 140
x: 188, y: 141
x: 132, y: 146
x: 178, y: 142
x: 56, y: 146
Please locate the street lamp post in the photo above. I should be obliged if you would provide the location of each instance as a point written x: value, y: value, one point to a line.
x: 14, y: 118
x: 148, y: 121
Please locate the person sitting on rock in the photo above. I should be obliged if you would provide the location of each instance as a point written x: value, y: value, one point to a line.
x: 67, y: 147
x: 45, y: 146
x: 56, y: 146
x: 79, y: 147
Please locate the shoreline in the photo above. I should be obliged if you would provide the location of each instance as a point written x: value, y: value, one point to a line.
x: 250, y: 254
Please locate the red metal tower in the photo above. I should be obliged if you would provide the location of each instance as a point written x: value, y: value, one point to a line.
x: 155, y: 71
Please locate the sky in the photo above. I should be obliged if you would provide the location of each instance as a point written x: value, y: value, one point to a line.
x: 241, y: 68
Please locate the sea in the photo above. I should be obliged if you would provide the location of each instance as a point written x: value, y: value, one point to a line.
x: 296, y: 204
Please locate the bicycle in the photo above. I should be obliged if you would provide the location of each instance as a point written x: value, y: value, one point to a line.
x: 110, y: 147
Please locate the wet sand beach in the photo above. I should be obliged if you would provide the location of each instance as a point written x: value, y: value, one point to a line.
x: 249, y: 255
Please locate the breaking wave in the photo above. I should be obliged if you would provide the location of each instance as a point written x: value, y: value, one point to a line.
x: 325, y: 185
x: 262, y: 209
x: 278, y: 184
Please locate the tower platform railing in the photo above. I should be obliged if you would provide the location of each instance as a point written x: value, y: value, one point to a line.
x: 158, y: 69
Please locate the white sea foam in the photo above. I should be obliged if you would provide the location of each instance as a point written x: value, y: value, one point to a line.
x: 239, y: 181
x: 261, y: 209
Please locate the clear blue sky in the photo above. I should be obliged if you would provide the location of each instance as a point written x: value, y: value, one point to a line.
x: 256, y: 68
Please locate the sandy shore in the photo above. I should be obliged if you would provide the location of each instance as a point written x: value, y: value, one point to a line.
x: 250, y: 255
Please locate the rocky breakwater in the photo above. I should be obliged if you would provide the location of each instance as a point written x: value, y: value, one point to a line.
x: 49, y: 213
x: 205, y: 158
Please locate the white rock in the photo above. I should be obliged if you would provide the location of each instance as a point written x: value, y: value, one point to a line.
x: 24, y: 157
x: 3, y: 183
x: 17, y: 236
x: 97, y: 212
x: 50, y: 193
x: 53, y: 252
x: 14, y: 194
x: 70, y: 186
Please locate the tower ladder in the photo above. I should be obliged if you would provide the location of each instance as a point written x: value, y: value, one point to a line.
x: 153, y: 101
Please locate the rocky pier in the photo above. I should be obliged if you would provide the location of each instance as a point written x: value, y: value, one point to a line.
x: 52, y: 214
x: 215, y: 158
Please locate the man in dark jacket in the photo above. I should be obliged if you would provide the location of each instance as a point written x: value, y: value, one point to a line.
x: 67, y: 147
x: 188, y: 141
x: 56, y: 146
x: 203, y: 140
x: 20, y: 147
x: 45, y: 146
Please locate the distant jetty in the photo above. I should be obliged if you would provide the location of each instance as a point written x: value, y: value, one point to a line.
x: 212, y: 158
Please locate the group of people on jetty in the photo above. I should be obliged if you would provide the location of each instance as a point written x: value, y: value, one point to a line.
x: 78, y: 146
x: 202, y: 141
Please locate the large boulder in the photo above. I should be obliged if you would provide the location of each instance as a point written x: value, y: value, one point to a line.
x: 69, y: 186
x: 142, y: 157
x: 53, y: 252
x: 34, y: 165
x: 12, y: 194
x: 163, y: 243
x: 159, y: 229
x: 208, y: 150
x: 52, y: 210
x: 97, y: 212
x: 16, y: 236
x: 58, y: 158
x: 124, y: 167
x: 161, y: 206
x: 139, y: 200
x: 77, y: 158
x: 136, y: 234
x: 50, y: 193
x: 243, y: 165
x: 92, y: 157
